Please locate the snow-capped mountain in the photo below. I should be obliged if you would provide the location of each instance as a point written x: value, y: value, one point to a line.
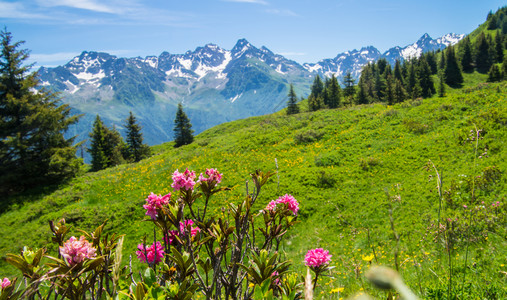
x: 215, y: 85
x: 353, y: 61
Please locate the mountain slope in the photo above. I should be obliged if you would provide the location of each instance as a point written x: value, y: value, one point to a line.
x: 215, y: 85
x: 338, y: 164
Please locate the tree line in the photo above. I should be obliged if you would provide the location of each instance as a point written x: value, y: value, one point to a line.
x: 418, y: 77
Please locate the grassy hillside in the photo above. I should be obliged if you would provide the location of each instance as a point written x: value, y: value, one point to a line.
x: 348, y: 168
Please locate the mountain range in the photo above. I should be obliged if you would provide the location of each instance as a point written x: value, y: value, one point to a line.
x: 213, y: 84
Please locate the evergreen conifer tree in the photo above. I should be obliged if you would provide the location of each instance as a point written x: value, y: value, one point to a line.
x: 97, y: 141
x: 380, y: 86
x: 361, y: 95
x: 390, y: 86
x: 400, y: 94
x: 425, y: 81
x: 466, y: 56
x: 504, y: 68
x: 453, y: 76
x: 314, y: 103
x: 398, y: 75
x: 33, y: 150
x: 348, y: 83
x: 183, y: 133
x: 482, y: 58
x: 498, y: 47
x: 136, y: 149
x: 292, y: 106
x: 494, y: 74
x: 333, y: 93
x: 317, y: 87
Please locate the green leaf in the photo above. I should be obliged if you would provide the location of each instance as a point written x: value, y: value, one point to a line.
x: 140, y: 291
x: 149, y: 277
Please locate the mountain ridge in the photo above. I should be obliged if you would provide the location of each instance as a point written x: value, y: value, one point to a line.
x: 215, y: 85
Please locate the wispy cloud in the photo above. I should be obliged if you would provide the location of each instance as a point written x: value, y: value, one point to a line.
x: 282, y: 12
x: 81, y: 4
x: 248, y: 1
x: 43, y: 59
x: 16, y: 10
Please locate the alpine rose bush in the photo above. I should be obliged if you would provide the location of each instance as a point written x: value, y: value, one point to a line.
x: 152, y: 254
x: 154, y: 202
x: 75, y: 251
x: 316, y: 258
x: 185, y: 180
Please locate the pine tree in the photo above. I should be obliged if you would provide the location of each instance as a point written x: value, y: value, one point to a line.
x: 400, y: 94
x: 348, y: 83
x: 482, y: 59
x: 136, y: 150
x: 317, y: 87
x: 425, y: 81
x: 33, y: 150
x: 466, y: 56
x: 498, y: 47
x: 361, y: 95
x: 494, y: 74
x: 292, y: 105
x: 390, y: 86
x: 412, y: 81
x: 504, y: 68
x: 183, y: 133
x: 453, y: 76
x: 315, y: 103
x: 380, y: 86
x: 97, y: 141
x: 333, y: 93
x: 398, y: 75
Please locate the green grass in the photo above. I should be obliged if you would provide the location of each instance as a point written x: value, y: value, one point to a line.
x: 339, y: 165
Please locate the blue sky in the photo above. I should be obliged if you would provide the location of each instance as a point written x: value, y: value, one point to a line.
x: 302, y: 30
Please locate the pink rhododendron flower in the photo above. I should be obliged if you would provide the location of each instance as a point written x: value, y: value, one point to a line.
x: 317, y: 257
x: 152, y: 254
x: 171, y: 237
x: 213, y: 176
x: 5, y: 283
x: 292, y: 203
x: 75, y: 251
x: 154, y: 202
x: 271, y: 205
x: 193, y: 230
x: 185, y: 180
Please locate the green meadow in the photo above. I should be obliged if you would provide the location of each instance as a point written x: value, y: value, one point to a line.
x: 366, y: 178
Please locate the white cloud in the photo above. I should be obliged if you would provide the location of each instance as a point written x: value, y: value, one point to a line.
x: 81, y: 4
x: 248, y: 1
x: 43, y: 59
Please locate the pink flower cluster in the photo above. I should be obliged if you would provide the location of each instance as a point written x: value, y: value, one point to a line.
x: 193, y: 230
x: 291, y: 203
x: 213, y: 176
x: 75, y: 251
x: 317, y: 257
x: 5, y: 283
x: 154, y: 202
x: 185, y: 180
x: 152, y: 254
x: 495, y: 204
x: 171, y: 234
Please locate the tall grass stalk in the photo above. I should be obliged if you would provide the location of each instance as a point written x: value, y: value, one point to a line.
x: 470, y: 218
